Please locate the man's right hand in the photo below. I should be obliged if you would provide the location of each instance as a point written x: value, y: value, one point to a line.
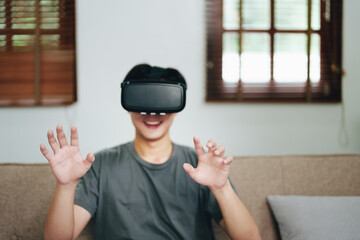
x: 66, y: 163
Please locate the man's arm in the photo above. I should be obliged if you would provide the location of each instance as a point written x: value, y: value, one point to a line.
x: 237, y: 221
x: 81, y: 219
x: 64, y: 220
x: 213, y: 171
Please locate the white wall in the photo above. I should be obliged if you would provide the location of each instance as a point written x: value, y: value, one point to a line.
x: 114, y: 35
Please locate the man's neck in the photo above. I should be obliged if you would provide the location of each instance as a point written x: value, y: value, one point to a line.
x: 155, y: 152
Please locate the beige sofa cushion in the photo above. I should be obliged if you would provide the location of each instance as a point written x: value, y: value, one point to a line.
x: 26, y: 192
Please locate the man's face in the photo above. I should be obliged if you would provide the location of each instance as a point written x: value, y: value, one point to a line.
x: 152, y: 127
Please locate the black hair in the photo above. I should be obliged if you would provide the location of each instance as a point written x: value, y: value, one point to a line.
x: 145, y: 72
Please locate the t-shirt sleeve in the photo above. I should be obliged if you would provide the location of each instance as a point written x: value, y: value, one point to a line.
x: 87, y: 189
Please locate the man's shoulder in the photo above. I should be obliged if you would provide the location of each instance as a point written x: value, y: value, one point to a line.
x: 187, y: 152
x: 107, y: 155
x: 185, y: 148
x: 114, y: 149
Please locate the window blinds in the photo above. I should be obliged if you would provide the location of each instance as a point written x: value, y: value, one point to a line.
x: 37, y: 52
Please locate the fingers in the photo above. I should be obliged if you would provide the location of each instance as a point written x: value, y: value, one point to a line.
x: 219, y: 151
x: 74, y: 141
x: 61, y: 136
x: 198, y: 147
x: 46, y: 153
x: 228, y: 160
x: 211, y: 144
x: 52, y: 141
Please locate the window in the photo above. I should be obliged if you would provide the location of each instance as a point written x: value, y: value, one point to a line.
x: 37, y: 52
x: 274, y: 50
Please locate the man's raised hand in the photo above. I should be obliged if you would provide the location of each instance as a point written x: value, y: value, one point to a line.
x: 66, y: 163
x: 213, y: 169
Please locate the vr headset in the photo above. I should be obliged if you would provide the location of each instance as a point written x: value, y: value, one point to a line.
x: 153, y: 96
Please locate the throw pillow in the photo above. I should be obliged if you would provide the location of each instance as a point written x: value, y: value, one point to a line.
x: 315, y: 217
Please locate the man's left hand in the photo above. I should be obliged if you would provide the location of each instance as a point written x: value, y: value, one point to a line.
x: 213, y: 168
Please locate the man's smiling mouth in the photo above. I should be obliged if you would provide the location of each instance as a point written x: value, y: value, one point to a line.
x: 153, y: 123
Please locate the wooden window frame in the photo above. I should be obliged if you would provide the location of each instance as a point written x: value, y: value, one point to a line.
x: 329, y: 87
x: 53, y: 68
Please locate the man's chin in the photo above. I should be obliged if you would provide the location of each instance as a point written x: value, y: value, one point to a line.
x: 153, y: 137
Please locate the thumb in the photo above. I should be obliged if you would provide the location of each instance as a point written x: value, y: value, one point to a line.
x: 90, y: 158
x: 190, y: 170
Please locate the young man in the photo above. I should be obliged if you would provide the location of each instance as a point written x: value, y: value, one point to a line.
x: 147, y: 188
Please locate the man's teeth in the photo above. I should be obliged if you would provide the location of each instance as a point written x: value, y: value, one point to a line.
x: 152, y: 123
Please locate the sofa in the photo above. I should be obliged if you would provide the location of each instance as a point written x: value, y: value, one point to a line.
x: 27, y: 189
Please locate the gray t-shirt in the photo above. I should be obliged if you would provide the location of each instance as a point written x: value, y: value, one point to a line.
x: 129, y: 198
